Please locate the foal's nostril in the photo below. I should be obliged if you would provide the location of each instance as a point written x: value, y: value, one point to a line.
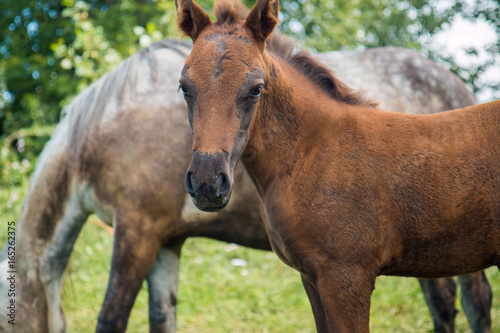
x: 189, y: 183
x: 224, y: 187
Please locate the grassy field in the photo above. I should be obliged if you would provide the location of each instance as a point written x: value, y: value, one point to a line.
x: 219, y: 294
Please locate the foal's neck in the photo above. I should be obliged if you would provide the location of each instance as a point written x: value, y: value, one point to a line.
x: 293, y: 116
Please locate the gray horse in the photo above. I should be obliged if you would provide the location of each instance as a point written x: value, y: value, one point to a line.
x: 121, y: 150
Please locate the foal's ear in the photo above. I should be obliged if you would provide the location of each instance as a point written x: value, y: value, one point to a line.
x: 262, y: 19
x: 191, y: 19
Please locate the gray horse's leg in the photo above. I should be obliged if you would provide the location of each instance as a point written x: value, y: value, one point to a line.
x: 476, y: 301
x: 55, y: 258
x: 440, y: 298
x: 135, y: 247
x: 163, y: 279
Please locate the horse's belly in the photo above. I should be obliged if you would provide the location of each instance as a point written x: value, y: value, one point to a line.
x: 451, y: 256
x: 436, y: 272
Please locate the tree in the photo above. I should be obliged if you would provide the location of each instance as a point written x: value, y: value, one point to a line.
x: 51, y: 50
x: 482, y: 73
x: 33, y: 81
x: 337, y: 24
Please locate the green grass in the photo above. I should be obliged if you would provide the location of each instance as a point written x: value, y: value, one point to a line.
x: 217, y: 296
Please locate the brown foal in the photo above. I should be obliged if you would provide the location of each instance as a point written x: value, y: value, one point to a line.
x: 349, y: 192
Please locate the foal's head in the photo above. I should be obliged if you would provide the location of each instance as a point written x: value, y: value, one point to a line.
x: 222, y: 82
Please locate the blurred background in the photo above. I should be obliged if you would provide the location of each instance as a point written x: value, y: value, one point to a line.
x: 51, y: 50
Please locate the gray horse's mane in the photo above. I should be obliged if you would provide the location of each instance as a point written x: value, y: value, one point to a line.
x: 117, y: 88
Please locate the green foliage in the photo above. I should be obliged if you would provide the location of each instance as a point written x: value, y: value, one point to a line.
x: 33, y: 80
x: 488, y: 11
x: 51, y: 50
x: 337, y: 24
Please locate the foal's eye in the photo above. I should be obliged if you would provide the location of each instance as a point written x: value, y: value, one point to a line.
x: 256, y: 91
x: 184, y: 90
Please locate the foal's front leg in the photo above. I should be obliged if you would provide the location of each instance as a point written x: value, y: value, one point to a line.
x: 317, y: 307
x: 134, y: 250
x: 345, y: 293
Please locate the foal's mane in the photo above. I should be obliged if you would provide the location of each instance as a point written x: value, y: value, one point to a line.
x: 230, y: 12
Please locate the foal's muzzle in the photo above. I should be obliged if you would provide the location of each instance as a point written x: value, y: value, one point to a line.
x: 208, y: 181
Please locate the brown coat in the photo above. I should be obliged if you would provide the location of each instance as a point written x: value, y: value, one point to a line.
x: 349, y: 191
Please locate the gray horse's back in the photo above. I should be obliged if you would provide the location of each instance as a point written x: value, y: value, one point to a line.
x: 401, y: 80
